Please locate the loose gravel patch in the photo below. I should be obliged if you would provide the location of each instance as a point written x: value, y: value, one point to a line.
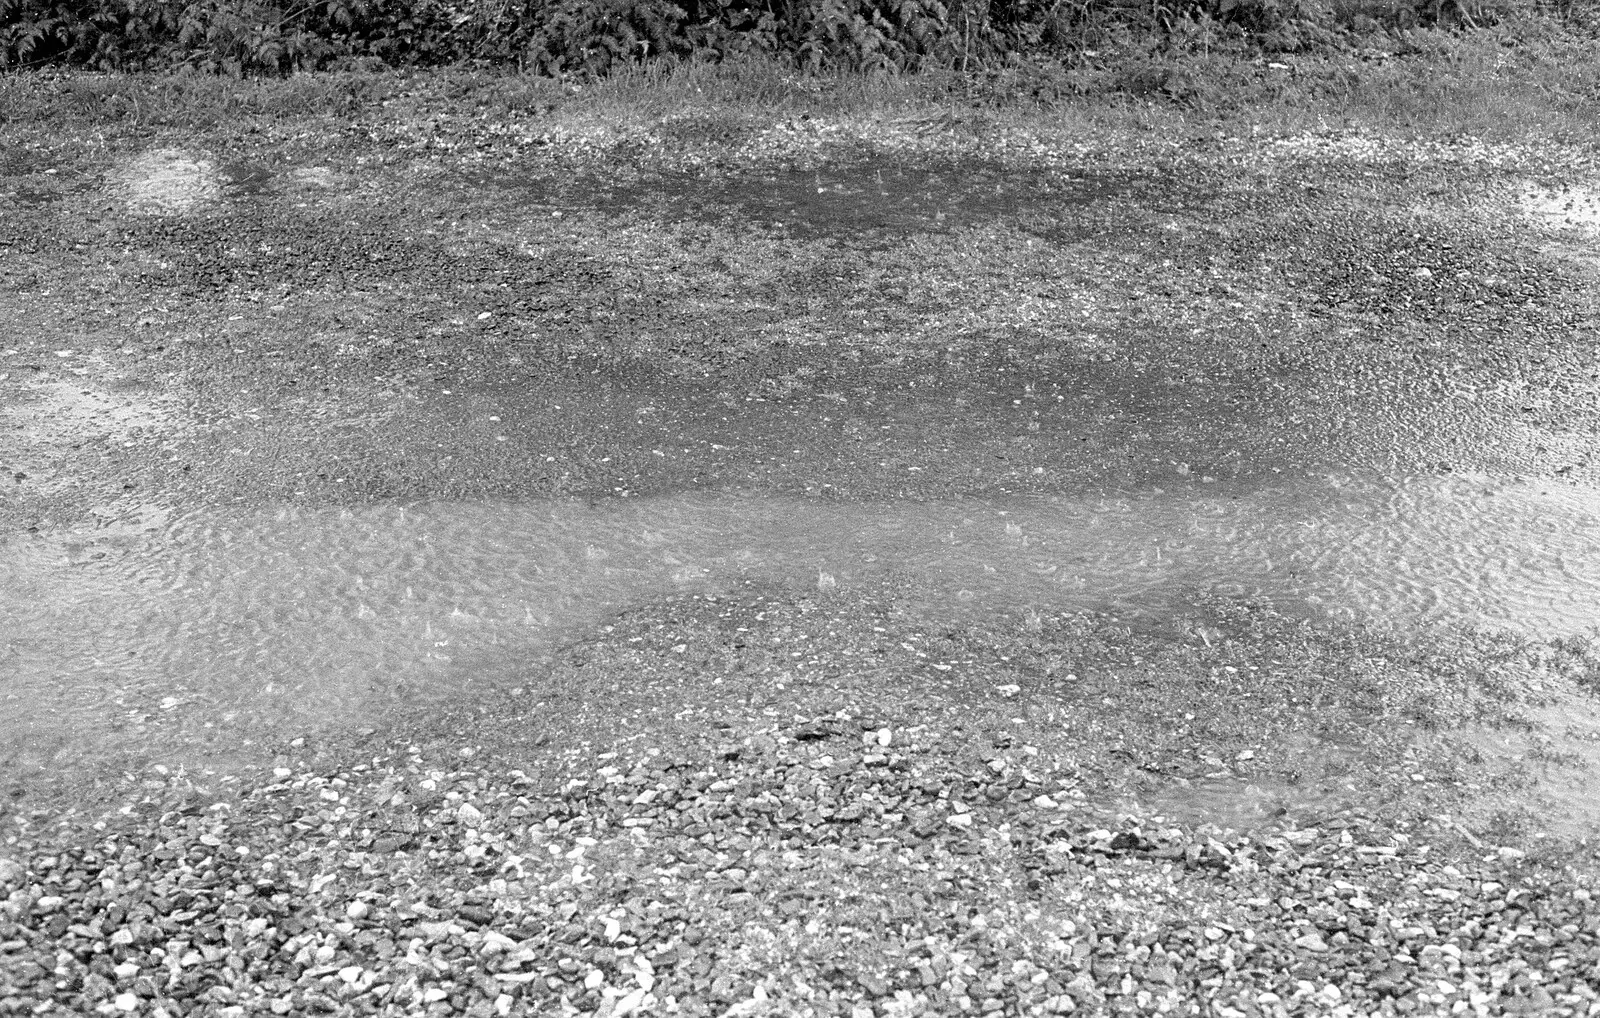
x: 816, y: 844
x: 824, y: 867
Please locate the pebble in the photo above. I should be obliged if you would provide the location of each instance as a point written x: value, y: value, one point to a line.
x: 1311, y: 942
x: 629, y: 1003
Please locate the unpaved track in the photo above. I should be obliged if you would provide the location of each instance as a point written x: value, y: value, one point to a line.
x: 320, y: 319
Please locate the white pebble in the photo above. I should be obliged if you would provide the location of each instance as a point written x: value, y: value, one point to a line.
x: 357, y: 910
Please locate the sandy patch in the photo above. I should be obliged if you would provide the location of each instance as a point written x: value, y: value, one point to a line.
x: 169, y: 182
x: 1572, y: 215
x: 318, y: 178
x: 1571, y: 208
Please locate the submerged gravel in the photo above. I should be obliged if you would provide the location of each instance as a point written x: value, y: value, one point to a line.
x: 824, y: 866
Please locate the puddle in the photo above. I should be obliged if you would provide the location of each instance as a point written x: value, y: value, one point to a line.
x: 207, y: 631
x: 313, y: 178
x: 1573, y: 215
x: 17, y: 161
x: 29, y: 197
x: 1562, y: 751
x: 34, y: 189
x: 169, y: 181
x: 39, y: 432
x: 1243, y: 804
x: 242, y: 179
x: 249, y: 180
x: 1227, y: 799
x: 866, y: 203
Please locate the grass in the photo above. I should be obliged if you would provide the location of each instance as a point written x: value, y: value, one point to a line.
x: 1524, y: 79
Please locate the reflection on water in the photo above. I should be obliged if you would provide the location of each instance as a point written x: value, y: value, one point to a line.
x: 213, y: 628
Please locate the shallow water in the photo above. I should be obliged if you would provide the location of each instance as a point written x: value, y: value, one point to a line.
x: 215, y: 629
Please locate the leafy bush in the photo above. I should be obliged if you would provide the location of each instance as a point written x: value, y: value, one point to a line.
x: 592, y: 37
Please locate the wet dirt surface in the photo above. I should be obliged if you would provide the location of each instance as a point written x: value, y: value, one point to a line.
x: 339, y: 619
x: 874, y: 204
x: 296, y: 415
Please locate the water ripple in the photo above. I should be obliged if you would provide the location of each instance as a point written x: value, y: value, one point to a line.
x: 301, y: 617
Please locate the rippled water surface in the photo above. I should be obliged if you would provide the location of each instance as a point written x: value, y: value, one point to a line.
x: 217, y: 628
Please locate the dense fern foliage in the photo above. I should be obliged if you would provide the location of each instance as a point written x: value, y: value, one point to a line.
x: 589, y: 37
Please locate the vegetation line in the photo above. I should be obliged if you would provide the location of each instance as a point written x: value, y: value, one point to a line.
x: 1146, y: 46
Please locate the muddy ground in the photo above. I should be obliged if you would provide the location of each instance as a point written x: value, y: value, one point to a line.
x: 408, y: 298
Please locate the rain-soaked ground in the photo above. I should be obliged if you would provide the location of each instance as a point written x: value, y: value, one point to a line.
x: 321, y: 438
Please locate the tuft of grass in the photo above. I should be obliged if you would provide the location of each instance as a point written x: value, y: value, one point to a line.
x: 1513, y: 82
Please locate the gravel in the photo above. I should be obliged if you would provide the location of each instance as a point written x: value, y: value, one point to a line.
x: 823, y: 866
